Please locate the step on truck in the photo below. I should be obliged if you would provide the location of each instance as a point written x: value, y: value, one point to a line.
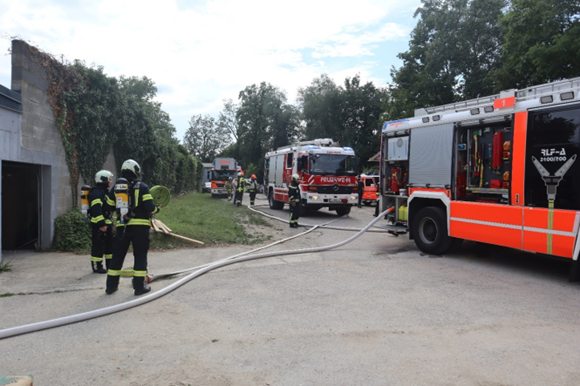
x: 327, y: 175
x: 501, y: 170
x: 222, y: 170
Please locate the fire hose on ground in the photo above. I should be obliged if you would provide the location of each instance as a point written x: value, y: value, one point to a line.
x: 33, y: 327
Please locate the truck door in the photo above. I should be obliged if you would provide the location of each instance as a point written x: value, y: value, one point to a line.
x: 552, y: 181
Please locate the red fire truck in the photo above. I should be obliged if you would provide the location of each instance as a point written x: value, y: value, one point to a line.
x: 327, y: 175
x: 500, y: 170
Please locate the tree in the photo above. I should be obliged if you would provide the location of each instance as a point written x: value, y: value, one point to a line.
x: 319, y: 103
x: 361, y: 117
x: 205, y: 138
x: 227, y: 118
x: 452, y: 49
x: 542, y: 43
x: 350, y: 115
x: 265, y: 121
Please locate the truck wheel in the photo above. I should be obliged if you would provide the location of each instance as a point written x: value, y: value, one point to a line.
x: 276, y: 205
x: 343, y: 210
x: 429, y: 227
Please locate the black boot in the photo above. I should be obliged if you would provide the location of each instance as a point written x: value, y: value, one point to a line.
x: 112, y: 284
x: 140, y: 286
x: 98, y: 267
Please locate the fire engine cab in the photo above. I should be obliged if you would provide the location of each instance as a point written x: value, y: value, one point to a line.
x: 502, y: 170
x: 327, y: 175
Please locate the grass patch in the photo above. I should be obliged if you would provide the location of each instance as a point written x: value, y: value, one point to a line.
x: 5, y: 267
x: 210, y: 220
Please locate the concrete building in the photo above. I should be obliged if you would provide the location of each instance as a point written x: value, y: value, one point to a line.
x: 35, y: 182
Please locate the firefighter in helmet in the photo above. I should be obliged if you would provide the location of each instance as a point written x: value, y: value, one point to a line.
x: 294, y: 196
x: 132, y: 227
x: 253, y: 189
x: 229, y: 187
x: 101, y: 222
x: 240, y: 187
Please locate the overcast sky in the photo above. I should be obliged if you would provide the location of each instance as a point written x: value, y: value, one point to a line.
x: 199, y: 53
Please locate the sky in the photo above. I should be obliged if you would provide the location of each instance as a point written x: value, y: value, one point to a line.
x: 199, y: 53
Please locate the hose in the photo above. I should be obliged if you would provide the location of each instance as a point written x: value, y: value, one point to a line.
x: 27, y: 328
x: 161, y: 195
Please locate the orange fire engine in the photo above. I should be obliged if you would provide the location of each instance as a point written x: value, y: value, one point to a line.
x: 501, y: 170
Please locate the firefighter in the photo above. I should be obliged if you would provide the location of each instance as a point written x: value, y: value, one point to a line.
x: 294, y: 196
x: 132, y: 228
x: 361, y: 187
x: 229, y: 187
x: 253, y: 189
x: 240, y: 187
x: 101, y: 222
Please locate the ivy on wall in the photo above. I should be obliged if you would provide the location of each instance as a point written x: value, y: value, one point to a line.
x: 95, y: 112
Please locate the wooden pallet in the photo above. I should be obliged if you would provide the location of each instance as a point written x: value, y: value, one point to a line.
x: 158, y: 226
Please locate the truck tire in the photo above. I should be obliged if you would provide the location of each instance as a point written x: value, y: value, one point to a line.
x: 343, y: 210
x: 276, y: 205
x: 429, y: 228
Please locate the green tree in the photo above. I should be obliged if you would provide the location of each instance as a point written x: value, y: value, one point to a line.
x: 205, y: 138
x: 319, y: 103
x: 452, y: 49
x: 350, y: 114
x: 361, y: 117
x: 227, y: 118
x: 264, y: 121
x: 542, y: 43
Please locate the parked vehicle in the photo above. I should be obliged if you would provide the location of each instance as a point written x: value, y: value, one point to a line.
x: 499, y: 169
x: 370, y: 187
x: 223, y: 168
x: 327, y: 175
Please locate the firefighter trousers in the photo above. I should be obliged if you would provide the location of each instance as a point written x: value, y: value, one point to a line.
x: 102, y: 245
x: 294, y: 214
x: 239, y: 197
x: 138, y: 236
x: 252, y: 198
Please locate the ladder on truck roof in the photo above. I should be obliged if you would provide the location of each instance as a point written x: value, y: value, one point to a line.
x: 315, y: 142
x: 567, y: 89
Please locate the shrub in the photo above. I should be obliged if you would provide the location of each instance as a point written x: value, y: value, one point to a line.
x: 71, y: 232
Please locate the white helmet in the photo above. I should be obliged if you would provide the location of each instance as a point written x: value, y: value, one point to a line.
x: 131, y: 166
x: 103, y: 177
x: 295, y: 177
x: 239, y: 174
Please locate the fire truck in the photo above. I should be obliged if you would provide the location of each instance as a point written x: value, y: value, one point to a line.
x: 222, y: 169
x: 370, y: 187
x: 501, y: 169
x: 327, y: 175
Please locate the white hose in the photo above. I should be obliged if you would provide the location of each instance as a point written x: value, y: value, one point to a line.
x: 27, y: 328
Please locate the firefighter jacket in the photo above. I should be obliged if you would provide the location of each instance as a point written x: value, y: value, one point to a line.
x: 229, y: 186
x: 253, y: 187
x: 99, y: 212
x: 294, y: 191
x: 240, y: 184
x: 141, y: 205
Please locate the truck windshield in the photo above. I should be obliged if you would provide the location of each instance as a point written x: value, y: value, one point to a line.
x: 333, y: 164
x: 221, y: 175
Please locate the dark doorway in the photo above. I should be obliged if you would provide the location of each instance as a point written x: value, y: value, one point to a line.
x: 20, y: 208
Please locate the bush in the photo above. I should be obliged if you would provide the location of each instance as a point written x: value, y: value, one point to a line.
x: 71, y: 232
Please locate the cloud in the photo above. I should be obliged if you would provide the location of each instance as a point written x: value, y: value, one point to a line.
x: 201, y: 52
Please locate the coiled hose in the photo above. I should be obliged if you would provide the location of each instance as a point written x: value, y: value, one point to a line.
x: 161, y: 195
x: 27, y: 328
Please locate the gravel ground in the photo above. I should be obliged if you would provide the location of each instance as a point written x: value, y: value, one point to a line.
x: 375, y: 312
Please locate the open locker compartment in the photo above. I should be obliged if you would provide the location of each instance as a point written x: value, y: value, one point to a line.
x: 483, y: 163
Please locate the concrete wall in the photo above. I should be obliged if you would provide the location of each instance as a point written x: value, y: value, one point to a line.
x: 28, y: 134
